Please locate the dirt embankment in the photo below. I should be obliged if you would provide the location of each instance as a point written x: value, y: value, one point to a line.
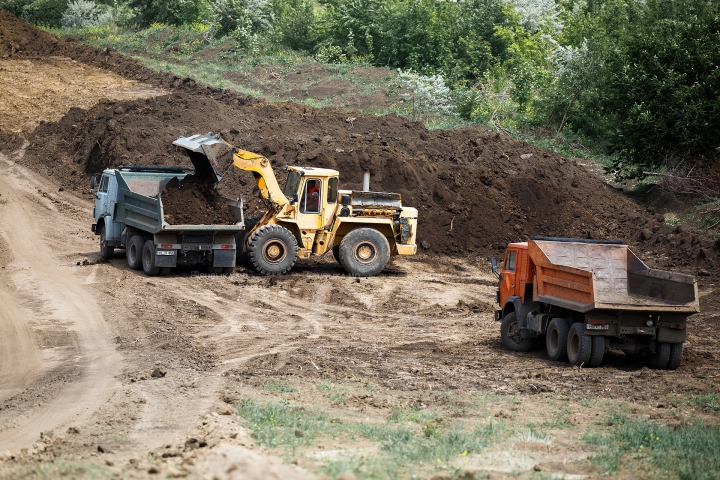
x: 475, y: 190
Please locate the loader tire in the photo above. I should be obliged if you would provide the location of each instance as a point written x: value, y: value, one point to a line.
x: 579, y: 345
x: 676, y: 351
x: 598, y: 351
x: 106, y: 251
x: 556, y: 339
x: 364, y: 252
x: 272, y: 250
x: 134, y: 252
x: 511, y: 337
x: 242, y: 258
x: 336, y: 254
x: 661, y: 357
x: 148, y: 259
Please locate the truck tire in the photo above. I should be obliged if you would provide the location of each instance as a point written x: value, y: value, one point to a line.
x: 510, y: 334
x: 148, y: 259
x: 272, y: 250
x: 676, y: 351
x: 133, y: 252
x: 598, y: 351
x: 241, y: 258
x: 661, y: 357
x: 106, y: 251
x: 556, y: 339
x: 364, y: 252
x: 579, y: 345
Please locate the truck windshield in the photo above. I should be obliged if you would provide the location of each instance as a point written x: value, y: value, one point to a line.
x: 291, y: 185
x: 510, y: 260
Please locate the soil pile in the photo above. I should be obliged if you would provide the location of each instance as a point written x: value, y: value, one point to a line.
x: 194, y: 201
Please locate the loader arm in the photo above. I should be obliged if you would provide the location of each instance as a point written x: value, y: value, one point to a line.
x: 210, y: 153
x: 264, y: 176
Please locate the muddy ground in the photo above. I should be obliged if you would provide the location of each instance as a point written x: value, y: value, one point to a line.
x: 106, y: 367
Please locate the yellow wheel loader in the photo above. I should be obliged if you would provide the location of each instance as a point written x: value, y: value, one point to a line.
x: 310, y: 215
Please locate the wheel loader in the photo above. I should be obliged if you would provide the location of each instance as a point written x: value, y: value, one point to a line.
x: 310, y: 215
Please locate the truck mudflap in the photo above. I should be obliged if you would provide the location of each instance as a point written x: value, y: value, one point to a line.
x: 165, y: 258
x: 224, y: 258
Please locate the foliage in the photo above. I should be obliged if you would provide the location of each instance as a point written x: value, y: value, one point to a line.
x: 426, y: 95
x: 85, y: 13
x: 168, y: 12
x: 295, y: 24
x: 39, y: 12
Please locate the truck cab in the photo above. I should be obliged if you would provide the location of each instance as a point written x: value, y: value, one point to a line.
x: 515, y: 277
x: 105, y: 208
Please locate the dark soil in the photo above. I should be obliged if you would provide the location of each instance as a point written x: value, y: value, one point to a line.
x: 9, y: 142
x: 194, y: 201
x: 475, y: 190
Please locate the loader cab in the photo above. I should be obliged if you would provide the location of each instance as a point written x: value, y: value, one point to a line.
x: 314, y: 193
x: 513, y: 272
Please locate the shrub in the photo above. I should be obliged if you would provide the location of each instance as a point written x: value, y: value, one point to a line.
x: 85, y: 13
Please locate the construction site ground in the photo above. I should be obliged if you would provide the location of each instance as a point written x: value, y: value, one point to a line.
x: 106, y: 372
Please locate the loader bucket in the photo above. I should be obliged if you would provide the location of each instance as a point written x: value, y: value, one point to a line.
x: 209, y: 154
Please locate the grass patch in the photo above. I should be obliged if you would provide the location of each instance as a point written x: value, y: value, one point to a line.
x: 59, y: 468
x: 409, y: 442
x: 688, y: 452
x: 707, y: 401
x: 278, y: 386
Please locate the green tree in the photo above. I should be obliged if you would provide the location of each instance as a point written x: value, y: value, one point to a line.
x: 169, y: 12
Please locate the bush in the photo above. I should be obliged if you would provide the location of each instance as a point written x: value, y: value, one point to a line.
x: 168, y: 12
x: 295, y: 24
x: 84, y: 13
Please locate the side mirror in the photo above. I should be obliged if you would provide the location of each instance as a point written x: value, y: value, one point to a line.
x: 93, y: 183
x: 494, y: 264
x: 294, y: 199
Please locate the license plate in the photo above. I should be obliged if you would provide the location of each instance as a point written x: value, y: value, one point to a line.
x: 597, y: 327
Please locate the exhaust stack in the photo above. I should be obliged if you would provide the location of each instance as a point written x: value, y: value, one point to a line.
x: 366, y: 181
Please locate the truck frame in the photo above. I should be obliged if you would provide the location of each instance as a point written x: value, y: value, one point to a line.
x: 587, y: 296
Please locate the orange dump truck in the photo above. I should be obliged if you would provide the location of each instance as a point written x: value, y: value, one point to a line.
x: 586, y: 296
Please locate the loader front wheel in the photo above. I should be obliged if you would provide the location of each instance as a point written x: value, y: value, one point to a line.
x: 336, y: 253
x: 556, y: 339
x: 364, y: 252
x: 272, y: 250
x: 579, y: 345
x: 511, y: 335
x: 106, y: 251
x: 134, y: 252
x: 148, y: 259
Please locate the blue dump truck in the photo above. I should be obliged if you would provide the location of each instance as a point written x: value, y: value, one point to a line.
x: 129, y: 214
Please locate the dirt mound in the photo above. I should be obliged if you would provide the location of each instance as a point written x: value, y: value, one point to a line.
x: 194, y: 201
x: 475, y: 190
x: 9, y: 142
x: 19, y: 39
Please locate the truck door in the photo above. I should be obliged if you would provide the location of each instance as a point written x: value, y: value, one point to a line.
x: 101, y: 197
x: 508, y: 276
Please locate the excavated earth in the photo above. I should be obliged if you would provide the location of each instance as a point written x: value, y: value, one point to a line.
x: 194, y: 201
x: 135, y: 373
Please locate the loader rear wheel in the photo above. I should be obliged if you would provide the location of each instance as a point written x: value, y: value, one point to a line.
x: 106, y: 251
x: 579, y: 345
x: 556, y: 339
x: 272, y: 250
x: 364, y: 252
x: 676, y: 351
x: 598, y: 351
x: 134, y: 252
x: 661, y: 357
x: 511, y: 336
x: 148, y: 259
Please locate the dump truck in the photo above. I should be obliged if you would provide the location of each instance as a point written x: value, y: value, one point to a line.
x: 129, y: 214
x: 588, y: 296
x: 310, y: 215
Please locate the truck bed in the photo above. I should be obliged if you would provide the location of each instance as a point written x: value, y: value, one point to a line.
x: 587, y: 276
x: 139, y: 204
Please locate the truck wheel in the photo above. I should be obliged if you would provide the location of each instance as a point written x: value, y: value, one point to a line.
x: 676, y: 351
x: 556, y: 339
x: 598, y: 351
x: 336, y: 253
x: 511, y: 337
x: 272, y: 250
x: 364, y: 252
x: 661, y: 357
x: 148, y: 259
x: 134, y: 252
x: 579, y: 345
x: 106, y: 251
